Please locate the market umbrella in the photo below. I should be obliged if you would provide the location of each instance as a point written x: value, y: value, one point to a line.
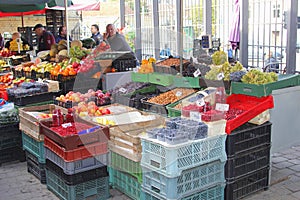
x: 234, y: 37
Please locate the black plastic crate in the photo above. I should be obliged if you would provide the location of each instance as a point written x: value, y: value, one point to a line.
x: 154, y: 108
x: 10, y: 136
x: 32, y: 99
x: 122, y: 65
x: 248, y: 184
x: 79, y: 177
x: 12, y: 154
x: 247, y: 162
x: 248, y: 136
x: 204, y: 83
x: 35, y: 168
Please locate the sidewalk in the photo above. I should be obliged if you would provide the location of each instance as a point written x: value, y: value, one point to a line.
x: 17, y: 184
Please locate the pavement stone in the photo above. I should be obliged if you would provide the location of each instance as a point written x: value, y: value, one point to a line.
x: 283, y: 165
x: 279, y: 159
x: 295, y: 161
x: 296, y: 195
x: 290, y: 156
x: 296, y: 168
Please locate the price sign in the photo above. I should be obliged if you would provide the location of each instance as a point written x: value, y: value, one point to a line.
x: 195, y: 116
x: 123, y: 90
x: 222, y: 107
x: 66, y: 125
x: 220, y: 76
x: 197, y: 73
x: 178, y: 94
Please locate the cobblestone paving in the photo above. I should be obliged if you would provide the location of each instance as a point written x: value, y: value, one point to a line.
x: 17, y: 184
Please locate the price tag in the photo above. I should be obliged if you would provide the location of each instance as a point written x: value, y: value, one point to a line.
x: 178, y: 94
x: 66, y: 125
x: 195, y: 116
x: 123, y: 90
x: 81, y: 62
x: 197, y: 73
x: 220, y: 76
x: 222, y: 107
x: 200, y: 102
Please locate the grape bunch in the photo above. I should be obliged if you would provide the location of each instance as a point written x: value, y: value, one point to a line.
x: 255, y: 76
x: 237, y: 76
x: 213, y: 73
x: 219, y: 58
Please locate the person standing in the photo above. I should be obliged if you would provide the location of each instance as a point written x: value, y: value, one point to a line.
x: 96, y: 35
x: 62, y: 34
x: 45, y: 38
x: 1, y: 42
x: 116, y: 41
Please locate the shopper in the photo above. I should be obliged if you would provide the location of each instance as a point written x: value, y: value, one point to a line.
x: 62, y: 34
x: 116, y: 41
x: 45, y: 38
x: 15, y: 36
x: 96, y: 35
x: 1, y: 42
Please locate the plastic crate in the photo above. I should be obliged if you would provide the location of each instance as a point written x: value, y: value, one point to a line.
x: 204, y: 83
x: 172, y: 112
x: 248, y: 184
x: 78, y: 178
x: 154, y: 108
x: 213, y: 193
x: 138, y: 77
x: 186, y: 82
x: 126, y: 183
x: 97, y: 189
x: 12, y: 154
x: 80, y: 153
x: 36, y: 168
x: 34, y: 147
x: 216, y: 127
x: 252, y: 106
x: 247, y: 137
x: 189, y: 182
x: 171, y: 160
x: 31, y: 99
x: 126, y: 165
x: 78, y: 166
x: 10, y: 136
x: 74, y: 141
x: 284, y: 80
x: 247, y: 162
x: 161, y: 79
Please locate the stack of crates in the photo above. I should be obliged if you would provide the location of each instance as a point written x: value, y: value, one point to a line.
x: 189, y: 170
x: 248, y: 160
x: 76, y: 165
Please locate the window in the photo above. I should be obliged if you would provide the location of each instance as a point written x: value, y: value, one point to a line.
x: 276, y: 11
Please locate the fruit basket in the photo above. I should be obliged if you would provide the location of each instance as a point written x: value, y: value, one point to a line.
x: 244, y: 108
x: 170, y: 66
x: 284, y: 80
x: 88, y: 133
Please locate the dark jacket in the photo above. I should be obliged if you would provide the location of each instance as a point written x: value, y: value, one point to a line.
x: 45, y: 41
x: 59, y: 38
x: 97, y: 37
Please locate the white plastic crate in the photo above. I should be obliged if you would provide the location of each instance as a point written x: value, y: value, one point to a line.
x: 171, y: 160
x: 216, y: 127
x: 189, y: 182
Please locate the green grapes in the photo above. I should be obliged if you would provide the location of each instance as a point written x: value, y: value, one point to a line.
x: 257, y: 77
x: 219, y: 58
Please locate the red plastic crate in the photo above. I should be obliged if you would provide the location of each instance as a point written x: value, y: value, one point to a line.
x: 76, y: 154
x: 3, y: 95
x: 252, y: 106
x: 71, y: 142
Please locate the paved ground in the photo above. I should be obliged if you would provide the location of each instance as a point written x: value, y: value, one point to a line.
x: 17, y: 184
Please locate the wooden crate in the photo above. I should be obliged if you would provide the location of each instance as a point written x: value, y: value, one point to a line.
x: 131, y: 155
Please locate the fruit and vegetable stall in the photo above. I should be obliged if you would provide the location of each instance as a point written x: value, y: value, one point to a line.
x: 204, y: 133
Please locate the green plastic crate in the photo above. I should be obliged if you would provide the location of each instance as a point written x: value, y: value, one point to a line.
x: 186, y: 82
x: 138, y: 77
x: 284, y: 81
x: 126, y: 183
x: 119, y: 162
x: 161, y: 79
x: 34, y: 147
x: 96, y: 189
x: 172, y: 112
x: 36, y: 104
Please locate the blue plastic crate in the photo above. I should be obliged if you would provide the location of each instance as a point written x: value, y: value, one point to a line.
x: 212, y: 193
x: 77, y: 166
x: 171, y: 160
x: 34, y: 147
x: 96, y: 189
x: 187, y: 183
x: 126, y: 183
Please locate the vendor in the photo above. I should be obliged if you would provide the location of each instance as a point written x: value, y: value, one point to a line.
x: 116, y: 41
x: 45, y: 38
x: 62, y: 34
x: 12, y: 44
x: 96, y: 35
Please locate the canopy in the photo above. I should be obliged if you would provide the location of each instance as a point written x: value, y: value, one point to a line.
x: 234, y: 36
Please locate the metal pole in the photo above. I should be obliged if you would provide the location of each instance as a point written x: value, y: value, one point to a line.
x: 122, y: 13
x: 67, y: 25
x: 156, y: 29
x: 207, y: 16
x: 179, y: 29
x: 138, y: 41
x: 292, y: 25
x: 244, y: 15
